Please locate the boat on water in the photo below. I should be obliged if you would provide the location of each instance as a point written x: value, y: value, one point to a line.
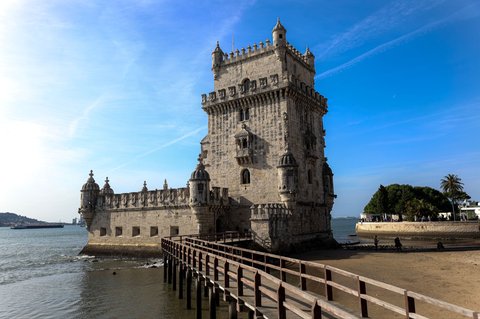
x: 36, y: 226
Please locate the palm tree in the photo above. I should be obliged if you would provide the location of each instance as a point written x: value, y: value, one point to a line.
x: 452, y: 187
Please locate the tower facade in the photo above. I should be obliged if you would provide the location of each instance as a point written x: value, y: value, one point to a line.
x: 262, y: 166
x: 266, y: 143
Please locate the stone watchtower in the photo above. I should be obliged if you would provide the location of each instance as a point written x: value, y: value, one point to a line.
x: 266, y: 143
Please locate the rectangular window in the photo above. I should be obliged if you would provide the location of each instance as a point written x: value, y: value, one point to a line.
x: 153, y: 231
x: 118, y: 231
x: 135, y: 231
x: 174, y: 231
x: 103, y: 231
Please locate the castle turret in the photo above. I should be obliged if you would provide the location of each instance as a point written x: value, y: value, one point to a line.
x: 217, y: 58
x: 309, y: 58
x: 106, y: 189
x: 199, y: 184
x: 279, y: 34
x: 88, y: 199
x: 287, y: 170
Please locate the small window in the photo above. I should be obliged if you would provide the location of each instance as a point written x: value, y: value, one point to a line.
x: 174, y: 231
x: 309, y: 175
x: 153, y: 231
x: 280, y: 36
x: 103, y: 231
x: 118, y: 231
x: 245, y: 176
x: 244, y: 114
x: 200, y: 188
x: 135, y: 231
x: 244, y: 143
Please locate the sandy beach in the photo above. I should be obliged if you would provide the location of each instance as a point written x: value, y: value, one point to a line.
x: 452, y: 276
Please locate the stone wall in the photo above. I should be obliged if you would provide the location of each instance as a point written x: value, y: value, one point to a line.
x: 420, y: 229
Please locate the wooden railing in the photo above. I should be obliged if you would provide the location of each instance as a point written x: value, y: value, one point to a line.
x: 305, y: 282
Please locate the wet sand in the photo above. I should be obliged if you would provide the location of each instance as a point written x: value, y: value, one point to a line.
x: 452, y: 276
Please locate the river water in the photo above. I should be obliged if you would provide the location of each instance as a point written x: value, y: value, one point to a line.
x: 42, y: 276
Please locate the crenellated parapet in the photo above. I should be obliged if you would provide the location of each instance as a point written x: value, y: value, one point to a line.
x: 270, y: 211
x: 261, y: 90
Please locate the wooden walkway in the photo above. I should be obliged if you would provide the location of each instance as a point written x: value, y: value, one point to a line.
x: 272, y: 286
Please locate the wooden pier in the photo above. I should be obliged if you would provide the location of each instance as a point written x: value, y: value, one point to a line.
x: 271, y: 286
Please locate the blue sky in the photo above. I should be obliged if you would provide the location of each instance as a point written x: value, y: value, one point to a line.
x: 115, y: 86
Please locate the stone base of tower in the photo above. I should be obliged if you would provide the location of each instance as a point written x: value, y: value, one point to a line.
x: 142, y: 251
x: 279, y: 229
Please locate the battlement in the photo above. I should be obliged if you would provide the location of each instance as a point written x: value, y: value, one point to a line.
x: 270, y: 211
x: 158, y: 199
x: 240, y: 55
x: 261, y: 85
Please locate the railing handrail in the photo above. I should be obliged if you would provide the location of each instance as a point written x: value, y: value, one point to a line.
x: 297, y: 292
x: 228, y: 251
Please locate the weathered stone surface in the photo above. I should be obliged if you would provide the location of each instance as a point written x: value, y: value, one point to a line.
x: 264, y: 148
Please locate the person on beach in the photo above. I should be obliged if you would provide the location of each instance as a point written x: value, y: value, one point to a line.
x: 375, y: 242
x: 398, y: 244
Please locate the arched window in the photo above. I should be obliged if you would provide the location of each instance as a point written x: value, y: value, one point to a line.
x: 309, y: 175
x: 246, y: 85
x: 245, y: 176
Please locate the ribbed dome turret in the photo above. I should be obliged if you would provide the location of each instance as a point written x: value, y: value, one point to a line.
x: 287, y: 160
x: 90, y: 184
x: 106, y: 189
x: 278, y: 26
x: 200, y: 173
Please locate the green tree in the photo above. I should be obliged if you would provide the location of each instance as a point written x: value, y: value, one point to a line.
x: 400, y: 195
x: 420, y: 208
x: 452, y: 187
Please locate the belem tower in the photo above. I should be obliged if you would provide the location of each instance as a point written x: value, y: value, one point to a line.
x: 261, y: 168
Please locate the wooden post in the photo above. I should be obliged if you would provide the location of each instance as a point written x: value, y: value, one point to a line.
x: 226, y: 277
x: 256, y: 289
x: 362, y: 289
x: 328, y: 288
x: 165, y: 268
x: 198, y: 286
x: 189, y: 288
x: 207, y: 265
x: 215, y: 268
x: 232, y: 308
x: 170, y: 259
x: 281, y: 311
x: 217, y: 295
x: 316, y: 311
x: 303, y: 281
x: 174, y: 275
x: 409, y: 305
x: 181, y: 275
x: 212, y: 303
x: 283, y: 274
x: 239, y: 281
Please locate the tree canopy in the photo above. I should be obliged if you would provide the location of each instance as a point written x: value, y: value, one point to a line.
x: 452, y: 187
x: 407, y: 201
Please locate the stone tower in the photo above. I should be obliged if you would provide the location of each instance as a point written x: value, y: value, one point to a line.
x: 266, y: 143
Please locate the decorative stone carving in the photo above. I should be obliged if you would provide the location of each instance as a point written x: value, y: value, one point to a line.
x: 212, y: 96
x: 253, y: 85
x: 232, y: 91
x: 204, y: 98
x: 263, y: 83
x: 274, y: 79
x: 221, y: 93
